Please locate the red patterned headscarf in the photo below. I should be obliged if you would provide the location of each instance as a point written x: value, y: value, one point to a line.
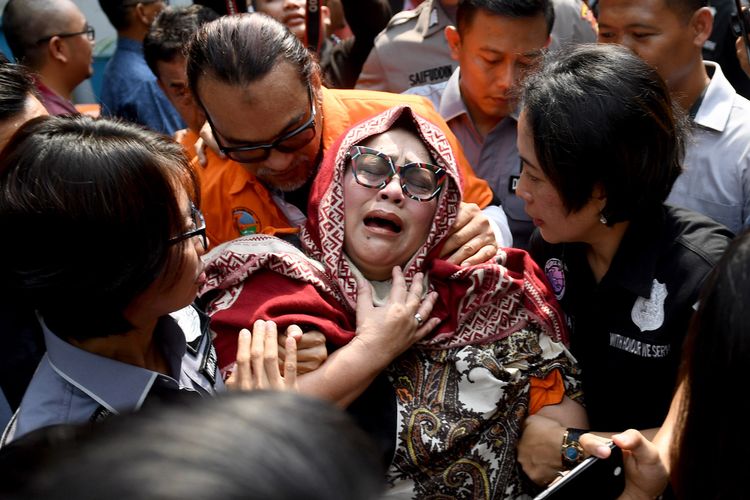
x: 490, y: 300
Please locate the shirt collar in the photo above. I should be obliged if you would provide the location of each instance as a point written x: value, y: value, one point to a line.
x: 241, y: 181
x: 117, y: 386
x: 452, y: 104
x: 124, y: 43
x: 49, y: 95
x: 717, y: 104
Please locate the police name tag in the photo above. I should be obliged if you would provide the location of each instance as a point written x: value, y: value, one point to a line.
x: 513, y: 183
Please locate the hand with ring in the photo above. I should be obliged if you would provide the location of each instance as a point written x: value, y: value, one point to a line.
x: 392, y: 328
x: 419, y: 319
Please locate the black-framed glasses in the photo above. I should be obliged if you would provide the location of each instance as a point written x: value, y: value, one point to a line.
x: 374, y: 169
x: 199, y: 228
x: 287, y: 143
x: 88, y: 31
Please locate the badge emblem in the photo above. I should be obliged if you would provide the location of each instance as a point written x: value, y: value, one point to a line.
x: 648, y: 314
x: 555, y: 271
x: 245, y: 221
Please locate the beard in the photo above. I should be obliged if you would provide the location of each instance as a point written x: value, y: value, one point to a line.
x: 299, y: 172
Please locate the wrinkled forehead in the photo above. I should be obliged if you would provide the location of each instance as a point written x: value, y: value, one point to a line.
x: 400, y: 143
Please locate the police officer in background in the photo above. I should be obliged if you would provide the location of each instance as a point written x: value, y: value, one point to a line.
x: 495, y: 42
x: 413, y: 51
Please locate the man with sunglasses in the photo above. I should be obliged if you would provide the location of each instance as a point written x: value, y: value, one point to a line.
x: 272, y: 114
x: 129, y: 88
x: 53, y: 40
x: 228, y: 217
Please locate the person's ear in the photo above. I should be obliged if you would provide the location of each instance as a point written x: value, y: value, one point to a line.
x: 454, y: 41
x: 325, y: 14
x: 701, y: 25
x: 142, y: 14
x: 548, y: 42
x: 599, y: 195
x: 57, y: 50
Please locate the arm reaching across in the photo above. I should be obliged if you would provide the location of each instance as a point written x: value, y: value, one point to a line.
x: 383, y: 333
x: 539, y: 449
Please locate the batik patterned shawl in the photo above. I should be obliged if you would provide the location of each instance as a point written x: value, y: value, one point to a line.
x: 463, y: 391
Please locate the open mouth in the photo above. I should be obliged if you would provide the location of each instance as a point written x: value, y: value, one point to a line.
x: 383, y: 223
x: 294, y: 20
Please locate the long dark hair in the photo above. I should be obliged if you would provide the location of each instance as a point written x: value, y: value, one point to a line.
x: 710, y: 458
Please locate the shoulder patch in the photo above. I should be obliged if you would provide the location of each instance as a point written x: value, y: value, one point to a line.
x: 406, y: 15
x: 555, y: 271
x: 245, y: 221
x: 402, y: 17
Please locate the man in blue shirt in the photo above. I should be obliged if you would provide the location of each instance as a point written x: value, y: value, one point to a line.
x: 129, y: 88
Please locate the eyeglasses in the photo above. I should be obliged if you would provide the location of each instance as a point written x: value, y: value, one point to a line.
x: 199, y: 228
x: 88, y: 31
x: 373, y: 169
x: 287, y: 143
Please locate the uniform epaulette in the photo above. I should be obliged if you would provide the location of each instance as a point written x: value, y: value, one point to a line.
x: 405, y: 15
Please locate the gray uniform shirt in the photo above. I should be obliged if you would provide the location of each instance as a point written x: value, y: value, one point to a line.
x: 412, y: 49
x: 75, y: 386
x: 716, y: 179
x: 493, y: 158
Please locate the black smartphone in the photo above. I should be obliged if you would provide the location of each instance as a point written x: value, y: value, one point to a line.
x: 603, y: 479
x: 741, y: 24
x: 314, y: 29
